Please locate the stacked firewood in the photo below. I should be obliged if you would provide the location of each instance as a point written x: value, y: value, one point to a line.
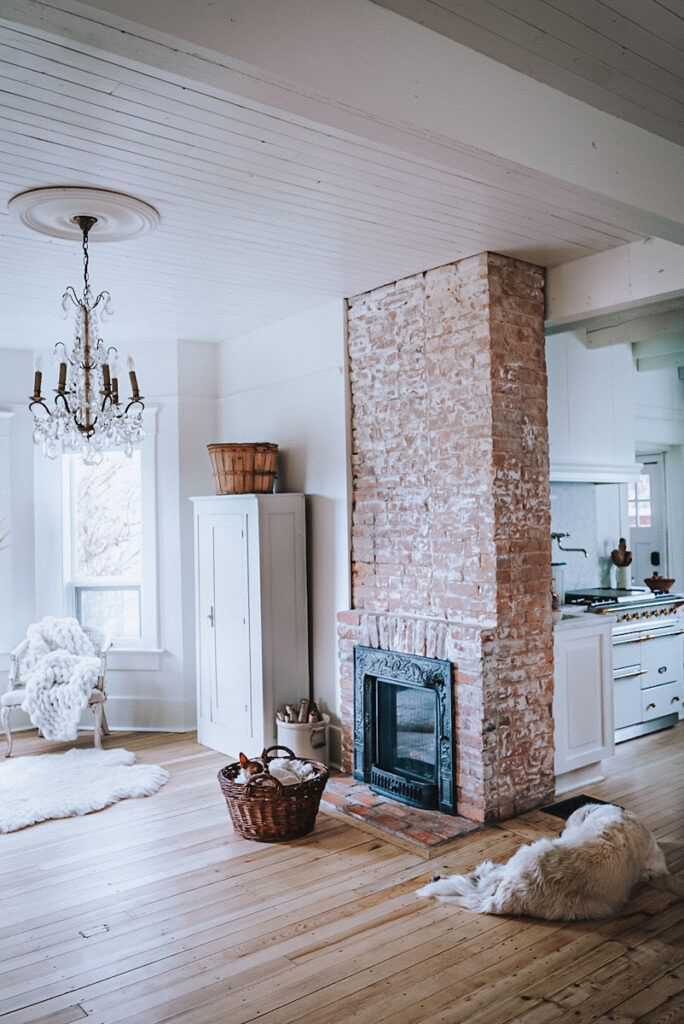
x: 306, y: 712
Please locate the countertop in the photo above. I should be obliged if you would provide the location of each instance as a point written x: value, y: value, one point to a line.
x: 574, y: 617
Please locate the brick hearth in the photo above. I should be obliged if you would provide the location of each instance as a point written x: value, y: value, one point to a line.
x: 428, y: 832
x: 451, y: 512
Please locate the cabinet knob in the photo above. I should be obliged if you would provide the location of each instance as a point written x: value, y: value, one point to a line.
x: 651, y: 705
x: 663, y: 668
x: 675, y: 700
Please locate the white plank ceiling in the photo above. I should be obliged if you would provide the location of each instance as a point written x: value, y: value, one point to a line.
x: 621, y: 56
x: 263, y: 214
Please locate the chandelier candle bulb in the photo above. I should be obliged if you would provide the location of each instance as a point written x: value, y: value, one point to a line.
x: 37, y: 379
x: 134, y: 380
x: 106, y: 382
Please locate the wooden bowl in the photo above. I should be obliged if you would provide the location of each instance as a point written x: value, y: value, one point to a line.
x: 658, y: 584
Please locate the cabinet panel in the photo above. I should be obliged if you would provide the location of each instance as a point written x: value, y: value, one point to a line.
x: 231, y: 693
x: 583, y: 698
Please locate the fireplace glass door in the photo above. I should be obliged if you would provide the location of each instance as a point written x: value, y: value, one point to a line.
x: 406, y: 730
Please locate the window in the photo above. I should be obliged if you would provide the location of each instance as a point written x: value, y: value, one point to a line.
x: 639, y: 501
x: 105, y: 544
x: 109, y: 532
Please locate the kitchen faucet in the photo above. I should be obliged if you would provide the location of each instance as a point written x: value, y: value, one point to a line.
x: 559, y: 536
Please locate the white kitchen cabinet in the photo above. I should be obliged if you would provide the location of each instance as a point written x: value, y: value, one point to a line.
x: 582, y: 702
x: 590, y: 410
x: 251, y: 616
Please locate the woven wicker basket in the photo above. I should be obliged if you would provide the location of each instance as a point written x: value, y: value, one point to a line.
x: 265, y: 810
x: 244, y: 468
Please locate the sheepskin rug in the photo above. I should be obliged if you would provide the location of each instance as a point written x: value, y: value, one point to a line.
x: 46, y: 786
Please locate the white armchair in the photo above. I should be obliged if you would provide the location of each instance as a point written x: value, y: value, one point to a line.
x: 16, y: 694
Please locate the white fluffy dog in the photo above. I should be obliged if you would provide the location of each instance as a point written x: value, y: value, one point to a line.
x: 588, y: 872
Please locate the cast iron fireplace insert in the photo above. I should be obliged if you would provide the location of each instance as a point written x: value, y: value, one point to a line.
x: 403, y: 727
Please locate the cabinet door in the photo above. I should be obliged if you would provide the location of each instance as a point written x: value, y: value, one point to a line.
x: 583, y: 699
x: 225, y: 685
x: 627, y: 700
x: 661, y: 657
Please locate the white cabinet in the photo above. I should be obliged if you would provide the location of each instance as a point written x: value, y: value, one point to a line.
x: 591, y: 410
x: 251, y: 615
x: 582, y: 702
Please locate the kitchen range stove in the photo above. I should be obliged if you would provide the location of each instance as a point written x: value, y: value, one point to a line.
x: 648, y: 677
x: 629, y: 605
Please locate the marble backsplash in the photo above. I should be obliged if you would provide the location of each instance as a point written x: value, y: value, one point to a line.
x: 595, y: 516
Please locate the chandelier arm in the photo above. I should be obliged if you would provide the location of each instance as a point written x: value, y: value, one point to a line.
x: 134, y: 401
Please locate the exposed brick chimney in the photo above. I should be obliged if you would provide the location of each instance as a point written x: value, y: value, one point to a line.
x: 451, y: 546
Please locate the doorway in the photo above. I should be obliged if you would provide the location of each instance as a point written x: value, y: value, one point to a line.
x: 647, y: 519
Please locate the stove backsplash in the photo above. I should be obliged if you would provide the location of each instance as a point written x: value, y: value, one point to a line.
x: 595, y: 516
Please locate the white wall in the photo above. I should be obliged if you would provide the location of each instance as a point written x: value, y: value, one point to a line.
x: 198, y: 380
x: 659, y: 424
x: 153, y: 688
x: 286, y: 384
x: 17, y: 594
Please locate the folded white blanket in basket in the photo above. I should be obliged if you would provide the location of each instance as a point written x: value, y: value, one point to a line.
x: 285, y: 770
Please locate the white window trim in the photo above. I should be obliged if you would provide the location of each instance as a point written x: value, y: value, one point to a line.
x: 149, y: 598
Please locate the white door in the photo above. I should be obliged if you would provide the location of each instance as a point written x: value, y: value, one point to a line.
x: 225, y: 699
x: 647, y: 534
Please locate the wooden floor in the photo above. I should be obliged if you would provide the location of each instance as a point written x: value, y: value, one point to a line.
x: 152, y: 910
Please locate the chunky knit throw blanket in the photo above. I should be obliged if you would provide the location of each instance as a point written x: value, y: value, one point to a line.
x: 61, y: 670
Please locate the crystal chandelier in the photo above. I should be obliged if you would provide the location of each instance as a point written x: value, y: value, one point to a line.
x: 88, y: 414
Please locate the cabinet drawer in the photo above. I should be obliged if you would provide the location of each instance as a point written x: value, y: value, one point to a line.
x: 662, y: 660
x: 626, y: 653
x: 661, y: 700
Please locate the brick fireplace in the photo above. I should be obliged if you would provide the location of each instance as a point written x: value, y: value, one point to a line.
x: 451, y: 513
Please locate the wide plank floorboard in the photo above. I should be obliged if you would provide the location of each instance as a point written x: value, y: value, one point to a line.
x: 155, y: 911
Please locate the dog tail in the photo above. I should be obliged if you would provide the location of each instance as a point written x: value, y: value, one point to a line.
x: 473, y: 891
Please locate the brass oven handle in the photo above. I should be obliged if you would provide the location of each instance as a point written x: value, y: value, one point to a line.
x: 649, y: 636
x: 630, y: 675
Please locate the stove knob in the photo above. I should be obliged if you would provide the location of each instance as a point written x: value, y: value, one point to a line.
x: 646, y: 614
x: 637, y: 615
x: 627, y: 618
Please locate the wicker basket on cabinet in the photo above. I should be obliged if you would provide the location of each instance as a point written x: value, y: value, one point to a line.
x: 244, y: 468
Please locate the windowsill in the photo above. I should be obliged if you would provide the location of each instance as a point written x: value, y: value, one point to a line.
x: 121, y: 659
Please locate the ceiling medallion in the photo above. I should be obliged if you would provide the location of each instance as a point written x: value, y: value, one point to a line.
x: 52, y: 211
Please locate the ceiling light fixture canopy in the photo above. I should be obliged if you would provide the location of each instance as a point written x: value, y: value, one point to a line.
x: 87, y: 414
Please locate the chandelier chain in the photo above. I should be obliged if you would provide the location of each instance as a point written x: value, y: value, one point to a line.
x: 86, y: 279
